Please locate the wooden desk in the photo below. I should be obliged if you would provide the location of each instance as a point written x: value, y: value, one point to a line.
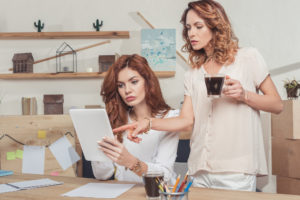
x: 137, y: 192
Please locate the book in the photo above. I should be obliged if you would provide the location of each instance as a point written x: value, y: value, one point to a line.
x: 5, y: 172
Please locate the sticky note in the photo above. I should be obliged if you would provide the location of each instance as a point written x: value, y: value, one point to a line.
x: 54, y: 174
x: 41, y: 134
x: 19, y: 154
x: 10, y: 155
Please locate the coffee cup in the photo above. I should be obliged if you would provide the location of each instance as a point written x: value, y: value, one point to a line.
x: 214, y: 84
x: 151, y: 182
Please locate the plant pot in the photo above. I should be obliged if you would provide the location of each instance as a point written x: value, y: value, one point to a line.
x: 292, y: 93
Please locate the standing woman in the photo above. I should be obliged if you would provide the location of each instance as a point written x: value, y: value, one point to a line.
x: 227, y: 149
x: 131, y: 92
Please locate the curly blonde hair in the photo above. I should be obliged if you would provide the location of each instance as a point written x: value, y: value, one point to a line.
x: 224, y: 43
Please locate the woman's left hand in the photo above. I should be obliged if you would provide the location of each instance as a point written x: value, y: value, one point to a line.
x: 234, y: 89
x: 116, y: 151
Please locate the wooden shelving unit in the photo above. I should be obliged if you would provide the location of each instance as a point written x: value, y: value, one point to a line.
x: 64, y: 35
x: 78, y: 75
x: 67, y: 35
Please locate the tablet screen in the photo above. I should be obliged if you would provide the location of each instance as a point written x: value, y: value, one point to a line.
x: 91, y: 125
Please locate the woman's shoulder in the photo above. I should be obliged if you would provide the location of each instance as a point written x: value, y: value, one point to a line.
x: 247, y: 51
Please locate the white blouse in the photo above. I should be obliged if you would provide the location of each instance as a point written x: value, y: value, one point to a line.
x: 227, y: 135
x: 158, y: 149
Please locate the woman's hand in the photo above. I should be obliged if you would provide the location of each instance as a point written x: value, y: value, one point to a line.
x: 116, y: 151
x: 234, y: 89
x: 134, y: 129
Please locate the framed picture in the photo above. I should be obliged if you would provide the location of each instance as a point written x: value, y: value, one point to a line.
x: 159, y: 48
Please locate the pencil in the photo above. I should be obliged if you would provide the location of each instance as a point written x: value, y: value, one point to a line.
x: 183, y: 183
x: 189, y: 185
x: 165, y: 186
x: 176, y: 183
x: 159, y: 185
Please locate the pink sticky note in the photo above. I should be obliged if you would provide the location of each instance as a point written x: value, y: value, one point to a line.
x: 54, y: 174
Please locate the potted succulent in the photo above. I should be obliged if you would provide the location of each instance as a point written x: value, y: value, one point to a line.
x: 291, y: 87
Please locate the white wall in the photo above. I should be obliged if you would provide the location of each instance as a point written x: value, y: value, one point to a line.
x: 269, y: 25
x: 272, y: 26
x: 76, y: 15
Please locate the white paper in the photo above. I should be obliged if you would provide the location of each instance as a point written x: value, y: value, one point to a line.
x: 7, y: 188
x: 99, y: 190
x: 64, y: 153
x: 35, y: 183
x: 33, y: 160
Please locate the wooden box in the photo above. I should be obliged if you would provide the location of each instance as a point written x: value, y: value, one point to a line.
x: 287, y: 185
x: 286, y: 157
x: 105, y: 61
x: 53, y: 104
x: 287, y: 123
x: 23, y: 63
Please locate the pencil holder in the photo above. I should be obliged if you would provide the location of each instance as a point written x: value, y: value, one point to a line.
x: 174, y: 195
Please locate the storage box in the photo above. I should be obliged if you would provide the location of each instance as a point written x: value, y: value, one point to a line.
x: 53, y: 104
x: 286, y: 157
x: 105, y: 61
x: 287, y: 123
x: 287, y: 185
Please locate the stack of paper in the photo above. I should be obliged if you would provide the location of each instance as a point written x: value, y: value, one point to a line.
x: 24, y: 185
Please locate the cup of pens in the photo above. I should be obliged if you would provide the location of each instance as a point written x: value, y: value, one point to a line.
x: 179, y: 191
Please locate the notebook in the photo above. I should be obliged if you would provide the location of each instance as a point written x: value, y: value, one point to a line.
x: 91, y: 125
x: 25, y: 185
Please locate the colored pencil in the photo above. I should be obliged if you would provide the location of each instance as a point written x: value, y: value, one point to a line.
x: 176, y: 183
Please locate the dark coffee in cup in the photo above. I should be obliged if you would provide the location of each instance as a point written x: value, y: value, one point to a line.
x: 214, y: 85
x: 151, y: 184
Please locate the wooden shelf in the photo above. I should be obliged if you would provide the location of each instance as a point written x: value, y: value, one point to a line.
x: 65, y: 35
x: 159, y: 74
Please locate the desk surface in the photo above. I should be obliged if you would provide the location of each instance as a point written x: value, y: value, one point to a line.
x: 137, y: 192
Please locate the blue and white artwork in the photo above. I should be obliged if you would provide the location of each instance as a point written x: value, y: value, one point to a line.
x: 159, y: 48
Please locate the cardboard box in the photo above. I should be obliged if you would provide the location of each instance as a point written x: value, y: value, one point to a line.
x: 287, y: 185
x: 286, y: 157
x: 287, y: 123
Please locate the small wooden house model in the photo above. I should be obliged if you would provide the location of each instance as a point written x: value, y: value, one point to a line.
x: 23, y: 63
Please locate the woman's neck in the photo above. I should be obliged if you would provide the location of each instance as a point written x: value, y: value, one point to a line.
x: 140, y: 112
x: 212, y: 67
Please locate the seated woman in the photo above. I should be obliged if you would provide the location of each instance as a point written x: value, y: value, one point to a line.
x: 131, y: 92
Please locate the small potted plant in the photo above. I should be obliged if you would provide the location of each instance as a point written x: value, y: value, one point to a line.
x: 291, y: 87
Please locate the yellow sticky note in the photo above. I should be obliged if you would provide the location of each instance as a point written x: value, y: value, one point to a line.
x: 19, y: 154
x: 10, y: 155
x: 41, y: 134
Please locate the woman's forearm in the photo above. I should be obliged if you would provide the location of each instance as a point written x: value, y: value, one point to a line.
x: 173, y: 124
x: 268, y: 103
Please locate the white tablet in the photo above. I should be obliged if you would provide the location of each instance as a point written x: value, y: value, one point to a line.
x: 91, y: 125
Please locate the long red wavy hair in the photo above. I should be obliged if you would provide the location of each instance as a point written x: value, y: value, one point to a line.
x: 116, y: 108
x: 224, y: 42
